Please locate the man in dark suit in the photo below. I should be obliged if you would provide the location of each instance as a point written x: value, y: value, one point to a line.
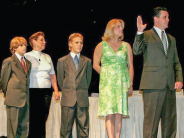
x: 74, y: 76
x: 15, y: 86
x: 162, y: 74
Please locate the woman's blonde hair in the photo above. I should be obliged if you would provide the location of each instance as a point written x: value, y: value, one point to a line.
x: 72, y: 36
x: 35, y: 37
x: 16, y: 42
x: 109, y: 33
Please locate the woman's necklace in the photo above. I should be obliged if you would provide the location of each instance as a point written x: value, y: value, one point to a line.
x: 37, y: 55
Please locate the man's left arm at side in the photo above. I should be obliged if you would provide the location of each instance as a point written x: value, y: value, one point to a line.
x: 177, y: 69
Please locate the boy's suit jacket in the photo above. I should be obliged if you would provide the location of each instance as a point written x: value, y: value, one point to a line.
x: 74, y: 83
x: 15, y: 82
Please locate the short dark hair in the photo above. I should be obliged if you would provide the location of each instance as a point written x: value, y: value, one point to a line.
x: 157, y: 11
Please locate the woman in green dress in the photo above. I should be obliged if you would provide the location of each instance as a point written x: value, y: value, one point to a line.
x: 116, y: 76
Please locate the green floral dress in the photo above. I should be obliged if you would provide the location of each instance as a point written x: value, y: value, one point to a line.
x: 114, y: 81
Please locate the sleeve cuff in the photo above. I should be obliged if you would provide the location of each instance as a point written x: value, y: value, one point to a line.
x: 139, y: 33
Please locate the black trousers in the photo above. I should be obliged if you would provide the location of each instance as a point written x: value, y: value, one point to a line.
x: 40, y: 99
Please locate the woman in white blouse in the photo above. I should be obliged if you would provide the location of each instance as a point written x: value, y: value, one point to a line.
x: 42, y: 77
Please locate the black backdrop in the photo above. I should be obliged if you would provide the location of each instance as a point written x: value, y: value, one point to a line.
x: 58, y: 19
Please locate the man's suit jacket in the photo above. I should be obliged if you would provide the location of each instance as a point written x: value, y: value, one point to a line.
x: 73, y: 83
x: 15, y: 82
x: 158, y: 69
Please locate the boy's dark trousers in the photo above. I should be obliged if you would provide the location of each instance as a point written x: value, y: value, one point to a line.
x: 80, y: 115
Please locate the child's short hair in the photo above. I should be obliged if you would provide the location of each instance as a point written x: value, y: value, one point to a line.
x: 16, y: 42
x: 72, y: 36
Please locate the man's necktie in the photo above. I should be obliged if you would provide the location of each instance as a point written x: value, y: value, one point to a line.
x: 164, y: 41
x: 23, y: 64
x: 76, y: 62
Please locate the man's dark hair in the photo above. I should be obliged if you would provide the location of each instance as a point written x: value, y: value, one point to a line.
x: 157, y: 11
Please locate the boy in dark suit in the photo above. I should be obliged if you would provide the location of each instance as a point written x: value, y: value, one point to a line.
x: 15, y: 86
x: 74, y: 76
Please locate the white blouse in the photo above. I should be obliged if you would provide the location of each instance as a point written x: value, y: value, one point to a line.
x: 42, y: 67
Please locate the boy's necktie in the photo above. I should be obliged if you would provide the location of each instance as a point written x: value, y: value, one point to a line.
x: 23, y: 64
x: 76, y: 62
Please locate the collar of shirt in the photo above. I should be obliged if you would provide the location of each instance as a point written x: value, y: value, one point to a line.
x: 73, y: 55
x: 37, y: 52
x: 19, y: 57
x: 159, y: 31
